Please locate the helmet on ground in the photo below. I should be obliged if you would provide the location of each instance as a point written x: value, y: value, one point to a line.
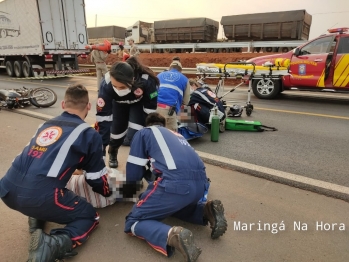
x: 235, y: 111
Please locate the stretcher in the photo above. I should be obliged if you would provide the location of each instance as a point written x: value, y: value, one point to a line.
x: 241, y: 70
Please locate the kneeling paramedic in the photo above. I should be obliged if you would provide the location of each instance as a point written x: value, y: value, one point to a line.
x: 35, y: 183
x: 202, y: 100
x: 123, y: 104
x: 178, y: 191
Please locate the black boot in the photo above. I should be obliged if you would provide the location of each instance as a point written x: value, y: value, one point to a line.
x: 35, y: 224
x: 48, y: 248
x: 183, y: 240
x: 113, y: 152
x: 214, y: 214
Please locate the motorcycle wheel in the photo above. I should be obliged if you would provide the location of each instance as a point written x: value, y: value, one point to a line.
x: 43, y: 97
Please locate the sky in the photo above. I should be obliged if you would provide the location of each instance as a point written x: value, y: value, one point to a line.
x: 325, y: 13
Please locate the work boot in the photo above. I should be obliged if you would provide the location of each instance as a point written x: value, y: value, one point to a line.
x: 214, y: 213
x: 183, y: 240
x: 49, y: 248
x: 113, y: 152
x: 35, y: 224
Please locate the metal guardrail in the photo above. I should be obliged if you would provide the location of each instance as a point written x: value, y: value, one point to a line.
x: 190, y: 71
x: 217, y: 45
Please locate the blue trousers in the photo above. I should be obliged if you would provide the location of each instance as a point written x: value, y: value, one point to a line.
x: 60, y: 206
x: 164, y: 198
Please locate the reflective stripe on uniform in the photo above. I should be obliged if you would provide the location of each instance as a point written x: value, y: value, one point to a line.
x: 96, y: 175
x: 118, y: 136
x: 129, y: 101
x: 133, y: 228
x: 173, y: 87
x: 203, y: 97
x: 107, y: 77
x: 164, y: 148
x: 104, y: 118
x: 137, y: 160
x: 148, y: 111
x: 135, y: 126
x: 64, y: 150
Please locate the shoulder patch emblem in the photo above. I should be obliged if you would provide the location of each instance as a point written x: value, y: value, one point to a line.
x: 211, y: 94
x: 49, y: 136
x: 154, y: 94
x: 100, y: 102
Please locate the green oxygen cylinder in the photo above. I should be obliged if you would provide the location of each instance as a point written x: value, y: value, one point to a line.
x: 215, y: 125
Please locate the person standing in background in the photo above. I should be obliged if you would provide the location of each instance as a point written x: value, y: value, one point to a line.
x: 134, y: 49
x: 99, y: 58
x: 123, y: 53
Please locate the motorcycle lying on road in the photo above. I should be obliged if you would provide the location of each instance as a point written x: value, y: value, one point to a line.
x: 18, y: 98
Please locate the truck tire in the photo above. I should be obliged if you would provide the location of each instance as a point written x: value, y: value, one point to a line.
x: 9, y: 68
x: 284, y: 49
x: 17, y: 68
x: 267, y: 49
x: 27, y: 69
x: 266, y: 88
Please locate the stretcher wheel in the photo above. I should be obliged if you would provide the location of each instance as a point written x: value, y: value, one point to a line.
x: 249, y: 111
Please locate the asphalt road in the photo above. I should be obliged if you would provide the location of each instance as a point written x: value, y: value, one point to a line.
x: 312, y: 138
x: 322, y: 237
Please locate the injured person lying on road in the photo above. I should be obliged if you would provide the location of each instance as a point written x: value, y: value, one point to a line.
x: 79, y: 186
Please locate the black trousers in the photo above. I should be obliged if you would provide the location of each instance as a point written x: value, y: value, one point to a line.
x: 127, y: 120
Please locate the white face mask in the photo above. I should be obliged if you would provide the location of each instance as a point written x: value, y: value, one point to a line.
x: 122, y: 92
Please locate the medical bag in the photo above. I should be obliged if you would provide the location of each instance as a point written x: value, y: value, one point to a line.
x: 245, y: 125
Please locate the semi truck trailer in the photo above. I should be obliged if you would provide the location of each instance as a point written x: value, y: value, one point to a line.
x: 172, y: 35
x: 273, y: 26
x: 41, y: 37
x: 112, y: 33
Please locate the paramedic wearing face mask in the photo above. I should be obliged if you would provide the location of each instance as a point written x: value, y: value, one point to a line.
x: 122, y: 103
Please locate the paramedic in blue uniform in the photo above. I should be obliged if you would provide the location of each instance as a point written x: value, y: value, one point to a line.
x: 35, y: 183
x: 125, y: 98
x: 174, y: 91
x: 202, y: 100
x: 180, y: 185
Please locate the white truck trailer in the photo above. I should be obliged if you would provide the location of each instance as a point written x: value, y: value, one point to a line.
x: 41, y: 37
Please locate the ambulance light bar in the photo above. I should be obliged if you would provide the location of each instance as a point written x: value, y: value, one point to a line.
x: 340, y: 30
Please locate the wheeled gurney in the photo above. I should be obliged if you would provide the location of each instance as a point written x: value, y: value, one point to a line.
x: 239, y: 70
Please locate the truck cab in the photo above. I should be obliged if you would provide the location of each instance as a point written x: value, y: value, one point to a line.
x: 141, y: 32
x: 318, y: 65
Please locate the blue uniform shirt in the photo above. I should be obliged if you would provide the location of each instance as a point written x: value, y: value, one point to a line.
x: 172, y: 88
x: 60, y: 146
x: 170, y: 155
